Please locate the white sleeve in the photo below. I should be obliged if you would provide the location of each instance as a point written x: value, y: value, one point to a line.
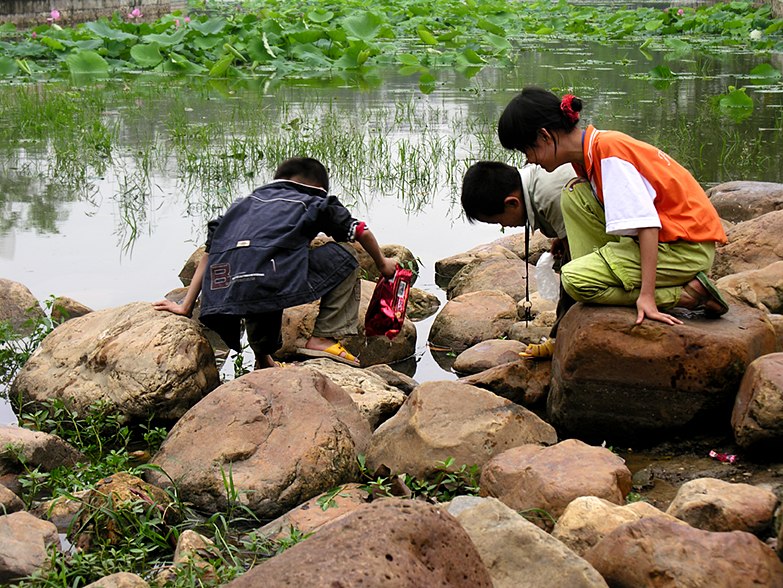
x: 629, y: 199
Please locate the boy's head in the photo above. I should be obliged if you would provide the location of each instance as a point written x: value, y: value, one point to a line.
x: 492, y: 193
x: 304, y: 170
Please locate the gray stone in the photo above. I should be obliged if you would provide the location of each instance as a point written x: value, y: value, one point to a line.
x: 35, y: 449
x: 742, y: 200
x: 758, y: 409
x: 716, y: 505
x: 442, y: 420
x: 18, y: 306
x: 374, y: 398
x: 471, y: 318
x: 752, y: 245
x: 24, y: 544
x: 516, y: 552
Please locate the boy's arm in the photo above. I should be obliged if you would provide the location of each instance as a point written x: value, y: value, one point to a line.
x: 385, y: 265
x: 645, y: 304
x: 186, y: 307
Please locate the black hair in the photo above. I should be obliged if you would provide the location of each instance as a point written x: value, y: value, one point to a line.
x: 530, y: 111
x: 306, y: 168
x: 485, y: 187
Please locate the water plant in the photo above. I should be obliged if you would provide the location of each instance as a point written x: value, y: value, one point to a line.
x: 16, y: 347
x: 340, y: 38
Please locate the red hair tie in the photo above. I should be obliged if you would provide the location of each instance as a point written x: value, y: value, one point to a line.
x: 566, y: 105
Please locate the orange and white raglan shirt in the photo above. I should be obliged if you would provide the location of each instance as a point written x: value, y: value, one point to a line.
x: 640, y: 186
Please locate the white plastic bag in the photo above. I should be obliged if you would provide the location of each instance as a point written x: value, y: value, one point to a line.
x: 547, y: 280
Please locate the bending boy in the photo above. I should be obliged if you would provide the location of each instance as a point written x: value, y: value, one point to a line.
x: 494, y: 192
x: 258, y: 263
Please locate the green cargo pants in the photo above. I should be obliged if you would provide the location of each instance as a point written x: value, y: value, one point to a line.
x: 606, y: 269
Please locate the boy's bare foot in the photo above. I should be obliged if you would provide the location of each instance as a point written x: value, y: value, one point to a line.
x: 265, y: 361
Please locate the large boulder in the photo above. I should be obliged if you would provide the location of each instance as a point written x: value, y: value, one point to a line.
x: 654, y: 552
x: 757, y: 418
x: 588, y: 519
x: 742, y: 200
x: 761, y: 288
x: 506, y: 275
x: 614, y: 379
x: 374, y: 398
x: 140, y: 361
x: 281, y: 435
x: 24, y: 544
x: 392, y: 543
x: 442, y: 420
x: 516, y: 552
x: 447, y: 268
x: 33, y: 449
x: 715, y: 505
x: 18, y: 306
x: 471, y: 318
x: 753, y: 244
x: 536, y: 478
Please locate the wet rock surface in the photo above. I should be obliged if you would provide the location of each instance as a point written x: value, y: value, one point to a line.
x: 613, y: 378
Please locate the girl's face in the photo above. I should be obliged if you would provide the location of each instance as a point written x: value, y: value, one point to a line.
x: 543, y: 152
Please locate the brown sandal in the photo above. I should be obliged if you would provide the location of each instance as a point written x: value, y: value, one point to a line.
x: 711, y: 300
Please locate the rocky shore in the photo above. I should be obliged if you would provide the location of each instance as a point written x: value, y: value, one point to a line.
x: 592, y: 469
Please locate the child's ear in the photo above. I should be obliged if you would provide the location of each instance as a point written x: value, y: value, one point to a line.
x: 513, y: 201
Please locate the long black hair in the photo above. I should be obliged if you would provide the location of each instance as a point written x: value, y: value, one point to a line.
x: 534, y: 109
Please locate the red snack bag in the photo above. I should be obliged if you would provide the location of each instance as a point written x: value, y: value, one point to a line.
x: 386, y: 311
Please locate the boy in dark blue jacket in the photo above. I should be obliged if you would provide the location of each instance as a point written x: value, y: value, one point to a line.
x: 259, y: 262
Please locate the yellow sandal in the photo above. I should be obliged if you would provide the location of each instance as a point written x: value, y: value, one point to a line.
x: 543, y: 350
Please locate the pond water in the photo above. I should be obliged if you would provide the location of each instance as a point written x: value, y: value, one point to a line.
x: 106, y: 207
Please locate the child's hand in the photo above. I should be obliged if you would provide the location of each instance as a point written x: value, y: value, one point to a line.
x: 646, y: 307
x: 171, y: 306
x: 388, y: 267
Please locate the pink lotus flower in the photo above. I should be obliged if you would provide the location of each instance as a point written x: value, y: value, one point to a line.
x: 135, y: 14
x: 54, y: 16
x: 34, y: 35
x: 187, y: 19
x: 176, y: 22
x: 680, y: 12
